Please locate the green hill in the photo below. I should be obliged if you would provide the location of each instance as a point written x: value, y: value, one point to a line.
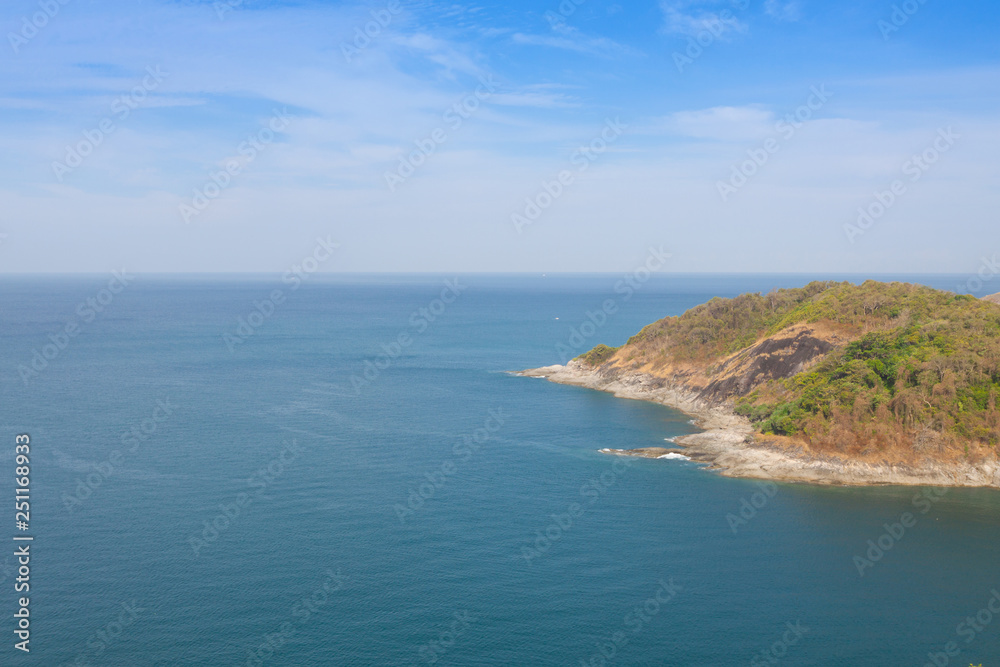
x: 859, y: 369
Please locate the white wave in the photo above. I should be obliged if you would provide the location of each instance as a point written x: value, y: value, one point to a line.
x: 675, y: 455
x: 671, y: 439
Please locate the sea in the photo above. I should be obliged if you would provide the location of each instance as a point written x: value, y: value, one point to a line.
x: 345, y: 470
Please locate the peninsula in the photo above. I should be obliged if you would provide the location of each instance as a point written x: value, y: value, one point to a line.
x: 831, y: 383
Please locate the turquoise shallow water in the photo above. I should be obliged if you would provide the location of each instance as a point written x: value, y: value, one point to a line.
x: 275, y: 512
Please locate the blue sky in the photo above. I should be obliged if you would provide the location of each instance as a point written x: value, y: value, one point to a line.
x: 644, y: 108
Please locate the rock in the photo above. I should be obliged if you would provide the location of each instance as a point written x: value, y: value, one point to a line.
x: 729, y: 447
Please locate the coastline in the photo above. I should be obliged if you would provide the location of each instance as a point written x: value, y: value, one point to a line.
x: 728, y: 444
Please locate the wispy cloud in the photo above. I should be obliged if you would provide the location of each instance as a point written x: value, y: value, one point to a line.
x: 440, y: 52
x: 720, y: 123
x: 540, y: 100
x: 692, y: 17
x: 784, y: 11
x: 572, y: 39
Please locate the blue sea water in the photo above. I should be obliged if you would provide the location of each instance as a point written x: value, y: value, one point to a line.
x: 362, y: 482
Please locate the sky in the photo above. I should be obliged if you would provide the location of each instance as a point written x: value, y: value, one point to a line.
x: 735, y: 135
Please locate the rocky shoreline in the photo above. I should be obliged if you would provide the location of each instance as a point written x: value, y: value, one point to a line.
x: 728, y: 444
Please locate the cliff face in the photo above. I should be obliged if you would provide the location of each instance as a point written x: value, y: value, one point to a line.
x: 993, y: 298
x: 718, y: 381
x: 783, y: 355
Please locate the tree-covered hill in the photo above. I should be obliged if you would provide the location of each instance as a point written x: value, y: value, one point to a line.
x: 851, y: 368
